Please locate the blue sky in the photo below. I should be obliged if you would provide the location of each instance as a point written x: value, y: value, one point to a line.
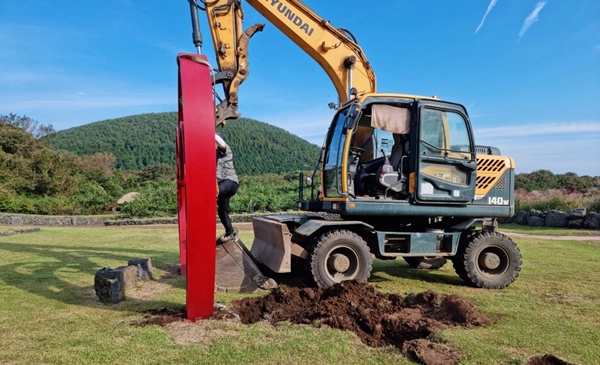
x: 527, y: 70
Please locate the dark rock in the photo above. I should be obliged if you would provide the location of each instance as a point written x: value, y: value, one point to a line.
x: 144, y: 268
x: 556, y: 218
x: 576, y: 223
x: 521, y: 218
x: 592, y: 221
x: 576, y: 214
x: 534, y: 213
x: 111, y: 284
x: 535, y: 221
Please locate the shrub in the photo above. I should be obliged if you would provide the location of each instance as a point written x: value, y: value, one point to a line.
x: 92, y: 198
x: 158, y: 199
x: 10, y: 203
x: 559, y: 199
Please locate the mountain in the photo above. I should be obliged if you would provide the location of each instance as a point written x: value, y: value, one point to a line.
x: 142, y: 140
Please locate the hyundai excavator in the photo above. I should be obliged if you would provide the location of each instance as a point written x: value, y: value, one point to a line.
x: 400, y: 173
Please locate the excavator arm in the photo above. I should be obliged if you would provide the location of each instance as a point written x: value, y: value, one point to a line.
x: 334, y: 49
x: 231, y: 47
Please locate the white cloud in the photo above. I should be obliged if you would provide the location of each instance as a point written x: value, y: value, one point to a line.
x: 490, y: 6
x: 531, y: 18
x: 574, y: 153
x: 558, y: 147
x: 540, y: 129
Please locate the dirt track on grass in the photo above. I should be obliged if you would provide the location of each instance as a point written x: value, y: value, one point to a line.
x: 554, y: 238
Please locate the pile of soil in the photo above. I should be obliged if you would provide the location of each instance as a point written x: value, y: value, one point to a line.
x: 378, y: 319
x: 547, y: 360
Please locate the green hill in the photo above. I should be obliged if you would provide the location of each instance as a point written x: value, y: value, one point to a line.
x: 142, y: 140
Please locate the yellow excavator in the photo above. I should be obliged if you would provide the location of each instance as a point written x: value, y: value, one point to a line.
x: 400, y: 173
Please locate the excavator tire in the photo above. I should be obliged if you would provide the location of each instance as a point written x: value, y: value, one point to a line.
x: 425, y: 263
x: 340, y: 255
x: 488, y: 260
x: 237, y: 271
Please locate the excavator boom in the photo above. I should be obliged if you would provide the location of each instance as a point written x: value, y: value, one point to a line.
x: 335, y: 51
x: 340, y: 57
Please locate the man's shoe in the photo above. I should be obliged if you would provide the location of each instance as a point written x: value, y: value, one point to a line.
x: 231, y: 237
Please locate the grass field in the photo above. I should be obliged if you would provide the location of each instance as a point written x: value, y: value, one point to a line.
x: 49, y: 313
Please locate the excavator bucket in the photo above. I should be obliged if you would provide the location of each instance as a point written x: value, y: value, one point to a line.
x: 272, y: 244
x: 237, y: 271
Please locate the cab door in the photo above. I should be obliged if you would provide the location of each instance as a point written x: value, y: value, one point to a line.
x: 445, y: 163
x: 335, y: 158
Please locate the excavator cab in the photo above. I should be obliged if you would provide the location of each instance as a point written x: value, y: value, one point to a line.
x: 419, y: 151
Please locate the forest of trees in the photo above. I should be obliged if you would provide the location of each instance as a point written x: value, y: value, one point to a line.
x: 36, y: 178
x: 148, y: 139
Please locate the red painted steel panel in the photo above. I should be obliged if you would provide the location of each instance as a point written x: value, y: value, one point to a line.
x: 181, y: 219
x: 196, y: 160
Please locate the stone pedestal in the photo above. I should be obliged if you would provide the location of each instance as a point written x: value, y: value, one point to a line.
x: 111, y: 284
x: 144, y: 268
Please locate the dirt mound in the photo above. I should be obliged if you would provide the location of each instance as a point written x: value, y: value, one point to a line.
x: 378, y: 319
x: 547, y: 360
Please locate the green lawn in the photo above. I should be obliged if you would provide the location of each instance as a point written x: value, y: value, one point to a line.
x: 552, y: 231
x: 49, y: 313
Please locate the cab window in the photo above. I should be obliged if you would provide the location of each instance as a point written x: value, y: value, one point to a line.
x: 444, y: 133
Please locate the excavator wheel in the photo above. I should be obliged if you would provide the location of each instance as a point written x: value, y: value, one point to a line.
x: 425, y: 263
x: 340, y: 255
x: 488, y: 260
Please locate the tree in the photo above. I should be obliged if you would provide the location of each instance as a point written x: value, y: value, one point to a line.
x: 157, y: 172
x: 574, y: 183
x: 543, y: 180
x: 31, y: 126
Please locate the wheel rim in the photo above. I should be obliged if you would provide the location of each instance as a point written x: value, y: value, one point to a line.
x: 342, y: 263
x: 493, y: 261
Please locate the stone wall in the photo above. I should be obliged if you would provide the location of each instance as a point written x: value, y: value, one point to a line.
x: 114, y: 220
x: 576, y: 218
x: 48, y: 220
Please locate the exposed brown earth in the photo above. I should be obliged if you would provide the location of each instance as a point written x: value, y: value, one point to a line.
x: 378, y: 319
x: 547, y: 360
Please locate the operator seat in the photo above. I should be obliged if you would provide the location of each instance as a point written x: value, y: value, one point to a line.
x: 397, y: 152
x: 390, y: 177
